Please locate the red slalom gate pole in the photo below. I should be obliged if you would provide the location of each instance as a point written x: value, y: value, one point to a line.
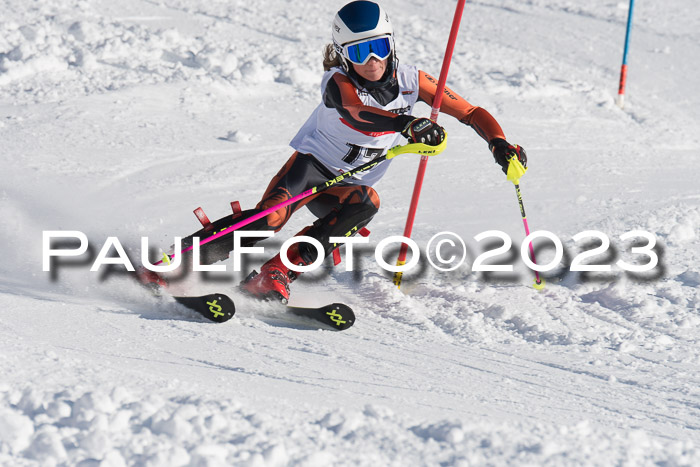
x: 623, y: 70
x: 437, y: 102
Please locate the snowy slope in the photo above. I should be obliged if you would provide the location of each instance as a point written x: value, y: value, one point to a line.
x: 119, y: 118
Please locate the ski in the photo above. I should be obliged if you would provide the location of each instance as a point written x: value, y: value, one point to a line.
x: 219, y: 308
x: 215, y: 307
x: 336, y: 315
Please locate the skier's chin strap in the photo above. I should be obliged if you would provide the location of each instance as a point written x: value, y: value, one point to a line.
x: 387, y: 80
x: 384, y: 90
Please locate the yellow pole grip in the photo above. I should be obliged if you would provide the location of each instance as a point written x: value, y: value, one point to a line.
x: 417, y: 148
x: 515, y: 170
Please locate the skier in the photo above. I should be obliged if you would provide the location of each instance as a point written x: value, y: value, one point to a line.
x: 367, y: 105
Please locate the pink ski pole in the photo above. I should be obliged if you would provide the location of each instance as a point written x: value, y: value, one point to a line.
x: 416, y: 148
x: 515, y: 171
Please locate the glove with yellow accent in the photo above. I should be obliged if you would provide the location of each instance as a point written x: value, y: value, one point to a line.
x: 424, y: 130
x: 503, y: 152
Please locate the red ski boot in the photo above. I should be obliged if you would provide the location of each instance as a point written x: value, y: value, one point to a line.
x: 273, y: 281
x: 150, y: 279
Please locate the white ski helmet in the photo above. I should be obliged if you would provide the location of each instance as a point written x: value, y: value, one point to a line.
x: 357, y: 23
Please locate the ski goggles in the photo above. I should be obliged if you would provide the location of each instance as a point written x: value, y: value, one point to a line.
x: 360, y: 52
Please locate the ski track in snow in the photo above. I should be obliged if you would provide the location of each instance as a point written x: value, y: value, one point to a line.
x: 120, y: 118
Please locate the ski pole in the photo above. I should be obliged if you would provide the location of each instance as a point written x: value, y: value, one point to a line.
x: 437, y: 102
x: 414, y: 148
x: 623, y: 71
x: 515, y: 171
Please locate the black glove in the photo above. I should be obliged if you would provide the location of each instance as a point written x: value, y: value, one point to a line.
x: 424, y: 130
x: 503, y: 152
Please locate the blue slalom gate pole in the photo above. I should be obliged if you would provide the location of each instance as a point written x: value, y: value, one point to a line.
x: 623, y: 71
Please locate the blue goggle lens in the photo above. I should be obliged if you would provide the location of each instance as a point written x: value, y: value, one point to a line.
x: 359, y: 53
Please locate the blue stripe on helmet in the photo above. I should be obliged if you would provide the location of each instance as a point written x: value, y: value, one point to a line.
x: 360, y: 16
